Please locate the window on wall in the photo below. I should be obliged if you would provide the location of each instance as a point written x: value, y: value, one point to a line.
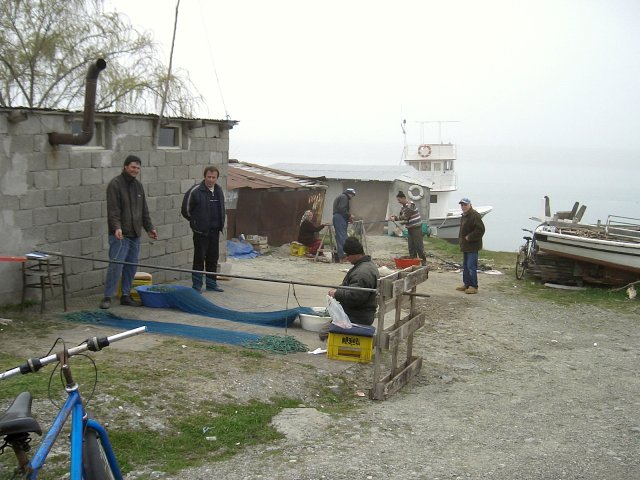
x: 98, y: 138
x: 433, y: 198
x: 170, y: 137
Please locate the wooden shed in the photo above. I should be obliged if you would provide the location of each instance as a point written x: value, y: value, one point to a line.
x: 269, y: 202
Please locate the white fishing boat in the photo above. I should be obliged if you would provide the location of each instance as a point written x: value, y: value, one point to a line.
x: 438, y: 161
x: 604, y: 253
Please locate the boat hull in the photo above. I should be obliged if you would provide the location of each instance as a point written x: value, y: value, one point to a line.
x: 448, y: 227
x: 617, y: 255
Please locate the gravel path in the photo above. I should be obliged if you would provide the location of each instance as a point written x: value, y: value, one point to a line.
x: 510, y: 388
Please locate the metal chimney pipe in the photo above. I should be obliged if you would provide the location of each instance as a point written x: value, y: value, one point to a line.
x: 85, y: 136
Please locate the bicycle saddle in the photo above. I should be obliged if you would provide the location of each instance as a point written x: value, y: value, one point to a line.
x: 18, y: 419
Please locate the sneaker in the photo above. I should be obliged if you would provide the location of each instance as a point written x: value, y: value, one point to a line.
x: 105, y: 303
x: 215, y: 288
x: 461, y: 288
x: 196, y: 289
x: 128, y: 301
x: 471, y: 290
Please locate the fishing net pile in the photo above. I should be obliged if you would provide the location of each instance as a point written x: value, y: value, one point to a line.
x: 276, y: 344
x: 190, y: 301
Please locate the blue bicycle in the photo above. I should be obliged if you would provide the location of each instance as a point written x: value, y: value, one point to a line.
x: 92, y: 457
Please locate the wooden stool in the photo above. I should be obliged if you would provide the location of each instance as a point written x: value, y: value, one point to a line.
x: 41, y: 271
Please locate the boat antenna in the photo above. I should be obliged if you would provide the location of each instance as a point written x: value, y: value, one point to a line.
x: 404, y: 136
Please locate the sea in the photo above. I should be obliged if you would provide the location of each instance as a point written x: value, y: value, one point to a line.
x: 511, y: 179
x: 514, y: 181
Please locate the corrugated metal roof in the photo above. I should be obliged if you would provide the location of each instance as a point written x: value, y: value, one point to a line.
x: 382, y: 173
x: 249, y: 175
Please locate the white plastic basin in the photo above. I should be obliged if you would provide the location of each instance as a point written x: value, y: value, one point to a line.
x: 313, y: 323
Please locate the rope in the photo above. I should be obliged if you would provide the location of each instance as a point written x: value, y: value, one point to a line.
x: 166, y: 84
x: 205, y: 27
x: 227, y: 275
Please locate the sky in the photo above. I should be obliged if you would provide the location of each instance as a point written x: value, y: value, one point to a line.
x: 543, y: 95
x: 339, y: 76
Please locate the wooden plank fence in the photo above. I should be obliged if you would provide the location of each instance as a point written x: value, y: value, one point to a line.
x: 392, y: 290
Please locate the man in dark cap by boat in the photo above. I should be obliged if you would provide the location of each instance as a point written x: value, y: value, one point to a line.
x: 470, y: 241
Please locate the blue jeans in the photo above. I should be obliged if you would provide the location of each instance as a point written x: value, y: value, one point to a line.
x: 340, y: 226
x: 125, y: 250
x: 470, y: 269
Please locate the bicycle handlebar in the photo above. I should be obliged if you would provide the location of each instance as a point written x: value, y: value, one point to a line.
x: 94, y: 344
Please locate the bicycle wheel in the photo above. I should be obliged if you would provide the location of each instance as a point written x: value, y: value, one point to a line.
x: 521, y: 263
x: 94, y: 458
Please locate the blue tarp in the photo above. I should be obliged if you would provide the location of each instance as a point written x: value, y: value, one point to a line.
x: 240, y: 249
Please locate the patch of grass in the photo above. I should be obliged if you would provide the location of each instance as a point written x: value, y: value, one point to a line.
x: 37, y: 385
x: 251, y: 353
x: 218, y: 348
x: 335, y: 397
x: 600, y: 296
x: 444, y: 250
x: 16, y: 307
x: 212, y: 433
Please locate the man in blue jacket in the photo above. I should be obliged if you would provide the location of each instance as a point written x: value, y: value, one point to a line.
x: 203, y: 206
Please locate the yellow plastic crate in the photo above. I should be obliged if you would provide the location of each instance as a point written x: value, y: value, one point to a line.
x: 298, y: 249
x: 352, y: 348
x: 141, y: 278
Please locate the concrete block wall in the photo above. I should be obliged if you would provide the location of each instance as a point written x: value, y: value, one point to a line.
x: 53, y: 198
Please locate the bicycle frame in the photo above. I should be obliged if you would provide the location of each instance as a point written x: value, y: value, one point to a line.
x: 72, y: 407
x: 526, y: 253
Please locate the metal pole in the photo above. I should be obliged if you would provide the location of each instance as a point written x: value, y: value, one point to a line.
x: 173, y: 269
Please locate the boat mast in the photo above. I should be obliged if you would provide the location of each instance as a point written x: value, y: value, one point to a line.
x: 423, y: 123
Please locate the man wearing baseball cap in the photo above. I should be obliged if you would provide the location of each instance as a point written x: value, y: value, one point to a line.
x: 470, y: 241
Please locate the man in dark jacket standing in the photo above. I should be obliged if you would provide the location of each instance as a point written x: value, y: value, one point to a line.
x: 470, y: 240
x: 203, y: 206
x: 342, y: 217
x: 127, y: 215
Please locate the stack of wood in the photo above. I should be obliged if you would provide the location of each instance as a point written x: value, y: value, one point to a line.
x: 260, y: 244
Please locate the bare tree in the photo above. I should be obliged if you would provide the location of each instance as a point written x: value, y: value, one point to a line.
x: 46, y: 45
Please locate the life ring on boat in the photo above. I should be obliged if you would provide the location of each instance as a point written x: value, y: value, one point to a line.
x: 424, y: 150
x: 415, y: 192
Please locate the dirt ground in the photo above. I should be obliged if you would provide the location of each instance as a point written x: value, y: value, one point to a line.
x: 510, y: 387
